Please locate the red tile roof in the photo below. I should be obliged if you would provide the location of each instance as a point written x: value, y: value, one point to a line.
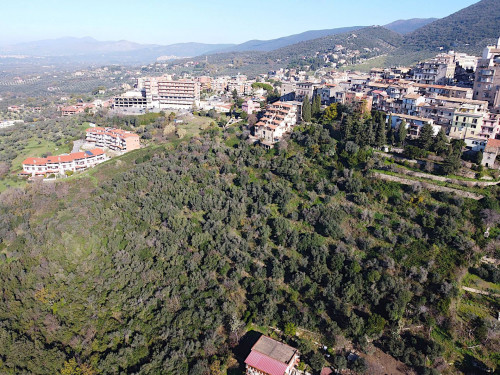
x: 493, y: 143
x: 266, y: 364
x: 63, y: 158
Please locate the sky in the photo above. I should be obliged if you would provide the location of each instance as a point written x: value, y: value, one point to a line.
x: 206, y: 21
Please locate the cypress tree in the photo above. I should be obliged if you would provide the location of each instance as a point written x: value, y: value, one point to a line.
x: 316, y: 106
x: 306, y: 109
x: 381, y: 137
x: 402, y: 132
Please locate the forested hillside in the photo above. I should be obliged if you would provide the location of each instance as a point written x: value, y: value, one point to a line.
x: 157, y: 262
x: 468, y: 30
x: 355, y: 46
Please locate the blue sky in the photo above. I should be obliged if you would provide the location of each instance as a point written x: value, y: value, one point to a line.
x: 208, y: 21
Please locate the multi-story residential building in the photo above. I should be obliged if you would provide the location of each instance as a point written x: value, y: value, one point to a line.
x: 163, y: 92
x: 491, y: 126
x: 439, y: 70
x: 61, y: 164
x: 327, y: 93
x: 278, y: 119
x: 205, y: 82
x: 411, y: 103
x: 467, y: 124
x: 303, y: 89
x: 178, y: 94
x: 114, y: 139
x: 487, y: 80
x: 270, y: 357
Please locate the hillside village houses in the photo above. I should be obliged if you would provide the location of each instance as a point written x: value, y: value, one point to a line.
x: 434, y: 91
x: 271, y: 357
x: 431, y: 93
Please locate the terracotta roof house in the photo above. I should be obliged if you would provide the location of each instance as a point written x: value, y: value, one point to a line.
x: 491, y: 152
x: 271, y: 357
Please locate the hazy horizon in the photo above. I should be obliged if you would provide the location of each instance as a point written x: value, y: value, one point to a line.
x: 174, y: 22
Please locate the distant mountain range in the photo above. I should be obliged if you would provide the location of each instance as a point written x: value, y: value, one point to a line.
x: 88, y: 50
x: 407, y: 26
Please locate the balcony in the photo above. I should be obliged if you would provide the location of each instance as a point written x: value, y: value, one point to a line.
x: 487, y: 72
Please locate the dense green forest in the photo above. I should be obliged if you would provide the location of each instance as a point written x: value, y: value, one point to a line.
x: 158, y: 261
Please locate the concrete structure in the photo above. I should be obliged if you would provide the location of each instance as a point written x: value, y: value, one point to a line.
x: 131, y: 99
x: 270, y: 357
x: 487, y: 80
x: 114, y: 139
x: 280, y: 118
x: 61, y: 164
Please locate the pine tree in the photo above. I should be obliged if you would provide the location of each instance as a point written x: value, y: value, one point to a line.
x: 425, y: 138
x: 306, y: 109
x: 402, y: 132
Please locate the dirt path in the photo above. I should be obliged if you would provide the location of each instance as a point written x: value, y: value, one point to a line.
x: 477, y: 291
x: 426, y: 185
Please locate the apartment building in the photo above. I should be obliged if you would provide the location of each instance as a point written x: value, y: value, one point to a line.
x: 271, y: 357
x: 487, y: 79
x: 165, y: 93
x: 278, y: 119
x: 475, y: 127
x: 411, y: 103
x: 61, y: 164
x: 114, y: 139
x: 182, y: 94
x: 303, y: 89
x: 439, y: 70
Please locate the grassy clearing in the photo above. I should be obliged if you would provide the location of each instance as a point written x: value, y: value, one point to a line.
x: 474, y: 281
x: 36, y: 148
x: 375, y: 62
